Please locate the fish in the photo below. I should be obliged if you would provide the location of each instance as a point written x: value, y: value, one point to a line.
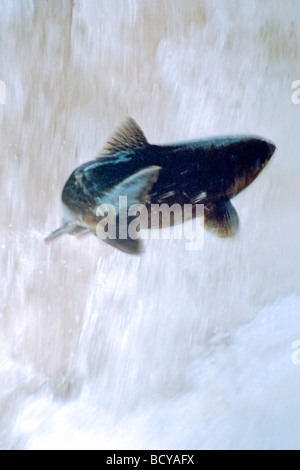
x: 209, y: 171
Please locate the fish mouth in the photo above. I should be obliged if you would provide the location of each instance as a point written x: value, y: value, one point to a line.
x: 272, y: 148
x: 269, y: 149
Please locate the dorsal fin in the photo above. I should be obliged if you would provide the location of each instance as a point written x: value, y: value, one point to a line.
x: 129, y: 135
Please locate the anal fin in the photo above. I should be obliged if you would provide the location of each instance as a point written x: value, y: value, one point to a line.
x: 221, y: 218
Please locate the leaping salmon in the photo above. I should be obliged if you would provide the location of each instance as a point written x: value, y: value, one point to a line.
x: 209, y: 171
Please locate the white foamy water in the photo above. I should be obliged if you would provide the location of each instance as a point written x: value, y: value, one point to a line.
x: 175, y: 349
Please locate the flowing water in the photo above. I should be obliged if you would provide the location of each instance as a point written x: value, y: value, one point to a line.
x: 175, y: 349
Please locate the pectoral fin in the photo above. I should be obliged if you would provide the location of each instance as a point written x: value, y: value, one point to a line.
x: 115, y: 232
x: 136, y: 187
x: 221, y: 218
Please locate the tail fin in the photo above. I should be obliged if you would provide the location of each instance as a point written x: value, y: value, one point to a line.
x: 68, y: 227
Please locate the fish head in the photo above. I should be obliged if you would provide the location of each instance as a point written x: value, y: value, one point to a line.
x: 248, y: 159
